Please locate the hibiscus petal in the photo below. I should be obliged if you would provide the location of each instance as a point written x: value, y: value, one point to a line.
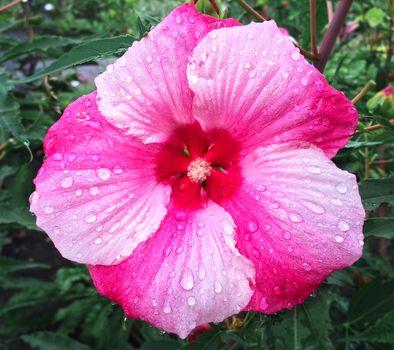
x: 96, y: 194
x: 145, y: 92
x: 299, y: 218
x: 252, y: 81
x: 189, y: 273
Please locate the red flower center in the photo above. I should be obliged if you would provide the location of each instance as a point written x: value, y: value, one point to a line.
x: 199, y: 165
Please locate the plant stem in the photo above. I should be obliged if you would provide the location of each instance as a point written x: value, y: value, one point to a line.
x: 251, y: 10
x: 332, y: 33
x: 374, y: 127
x: 330, y: 12
x: 312, y: 23
x: 363, y: 91
x: 13, y: 3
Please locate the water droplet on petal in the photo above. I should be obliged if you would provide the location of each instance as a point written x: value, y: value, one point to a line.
x: 187, y: 281
x: 117, y: 170
x: 252, y: 225
x: 295, y: 55
x: 304, y: 81
x: 277, y: 290
x: 67, y: 182
x: 313, y: 170
x: 339, y: 239
x: 94, y: 190
x: 314, y: 208
x: 57, y: 156
x: 218, y: 287
x: 295, y: 218
x: 103, y: 173
x: 193, y: 79
x: 78, y: 192
x: 48, y: 209
x: 167, y: 308
x: 34, y: 198
x: 191, y: 300
x: 336, y: 202
x: 98, y: 241
x: 227, y: 227
x: 341, y: 188
x: 91, y: 218
x: 343, y: 226
x: 306, y: 266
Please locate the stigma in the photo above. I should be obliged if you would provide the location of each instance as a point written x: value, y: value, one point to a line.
x: 198, y: 170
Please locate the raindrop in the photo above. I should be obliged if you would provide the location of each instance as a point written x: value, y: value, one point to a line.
x: 191, y: 300
x: 98, y: 240
x: 117, y: 170
x: 103, y: 173
x: 149, y: 59
x: 277, y: 290
x: 187, y: 281
x: 336, y: 202
x: 306, y: 266
x: 295, y: 55
x: 57, y: 156
x: 91, y: 218
x: 48, y: 209
x: 138, y: 91
x: 339, y: 239
x: 78, y: 192
x: 167, y: 308
x: 295, y: 218
x: 285, y: 74
x: 313, y: 170
x: 314, y: 208
x: 218, y: 287
x: 94, y: 190
x: 34, y: 198
x: 341, y: 188
x: 304, y: 81
x: 193, y: 79
x: 227, y: 227
x: 343, y: 226
x: 67, y: 182
x: 252, y: 225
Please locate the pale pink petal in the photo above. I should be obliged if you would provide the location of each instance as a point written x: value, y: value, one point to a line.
x: 189, y: 273
x: 96, y: 194
x: 299, y: 218
x: 252, y: 81
x: 145, y: 92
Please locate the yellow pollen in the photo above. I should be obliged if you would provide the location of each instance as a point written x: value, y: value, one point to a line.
x: 198, y: 170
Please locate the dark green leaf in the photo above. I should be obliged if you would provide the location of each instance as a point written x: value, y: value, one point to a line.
x: 371, y: 302
x: 375, y: 192
x: 53, y: 341
x: 379, y: 227
x: 83, y: 53
x: 381, y: 332
x: 11, y: 214
x: 36, y: 44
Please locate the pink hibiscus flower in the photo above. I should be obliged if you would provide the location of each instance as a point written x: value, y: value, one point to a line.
x: 196, y: 181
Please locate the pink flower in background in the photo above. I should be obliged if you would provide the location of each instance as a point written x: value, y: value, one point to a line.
x: 196, y: 180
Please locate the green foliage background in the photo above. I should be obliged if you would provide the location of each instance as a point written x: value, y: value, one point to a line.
x: 50, y: 304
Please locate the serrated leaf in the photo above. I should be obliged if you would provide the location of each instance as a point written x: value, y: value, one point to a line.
x: 371, y: 302
x: 83, y: 53
x: 379, y: 227
x: 9, y: 111
x: 381, y: 332
x: 307, y: 326
x: 53, y: 341
x: 377, y: 191
x: 36, y: 44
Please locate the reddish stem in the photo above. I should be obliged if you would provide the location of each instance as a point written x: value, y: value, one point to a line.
x: 332, y: 33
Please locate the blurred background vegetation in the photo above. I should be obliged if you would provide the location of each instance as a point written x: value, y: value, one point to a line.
x: 50, y: 52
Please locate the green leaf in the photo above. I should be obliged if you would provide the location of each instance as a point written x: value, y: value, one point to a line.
x: 37, y: 44
x: 307, y: 326
x: 374, y: 16
x: 371, y: 302
x: 379, y: 227
x: 8, y: 265
x: 381, y: 332
x: 375, y: 192
x: 9, y: 111
x: 83, y: 53
x: 7, y: 170
x: 53, y: 341
x: 11, y: 214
